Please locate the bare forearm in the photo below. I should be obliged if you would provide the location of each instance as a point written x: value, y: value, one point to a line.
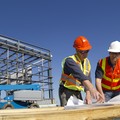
x: 88, y: 84
x: 98, y: 85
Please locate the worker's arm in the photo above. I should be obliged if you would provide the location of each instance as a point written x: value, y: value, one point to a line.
x: 99, y: 86
x: 98, y: 78
x: 88, y: 99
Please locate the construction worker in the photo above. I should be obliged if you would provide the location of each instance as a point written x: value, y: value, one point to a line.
x: 76, y: 73
x: 107, y: 73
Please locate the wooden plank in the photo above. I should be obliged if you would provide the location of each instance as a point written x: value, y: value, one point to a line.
x: 59, y: 113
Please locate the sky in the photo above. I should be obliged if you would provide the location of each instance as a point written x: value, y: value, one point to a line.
x: 54, y: 25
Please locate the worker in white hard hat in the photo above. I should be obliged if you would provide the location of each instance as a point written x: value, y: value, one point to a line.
x: 107, y: 74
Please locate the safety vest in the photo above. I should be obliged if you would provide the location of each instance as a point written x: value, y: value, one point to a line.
x: 111, y: 77
x: 69, y: 81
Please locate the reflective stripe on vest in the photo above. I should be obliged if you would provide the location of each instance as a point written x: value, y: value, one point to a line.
x: 86, y: 67
x: 70, y: 79
x: 109, y: 83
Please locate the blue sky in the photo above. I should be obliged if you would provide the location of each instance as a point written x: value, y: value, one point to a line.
x: 54, y: 25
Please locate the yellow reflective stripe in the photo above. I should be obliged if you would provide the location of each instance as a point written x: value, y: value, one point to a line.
x: 105, y: 86
x: 72, y: 87
x: 63, y: 62
x: 110, y: 88
x: 103, y: 64
x: 76, y: 59
x: 115, y: 88
x: 109, y: 79
x: 86, y: 68
x: 116, y: 80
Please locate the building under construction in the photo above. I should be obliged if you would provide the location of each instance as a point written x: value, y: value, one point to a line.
x: 25, y: 64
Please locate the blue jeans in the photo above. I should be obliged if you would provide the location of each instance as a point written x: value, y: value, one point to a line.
x: 110, y: 94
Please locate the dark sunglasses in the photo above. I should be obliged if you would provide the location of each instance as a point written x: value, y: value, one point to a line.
x: 83, y: 52
x: 117, y: 53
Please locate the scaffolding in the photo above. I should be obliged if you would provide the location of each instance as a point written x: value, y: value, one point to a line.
x: 23, y: 63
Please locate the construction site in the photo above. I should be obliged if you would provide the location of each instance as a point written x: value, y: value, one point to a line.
x: 26, y: 87
x: 25, y: 74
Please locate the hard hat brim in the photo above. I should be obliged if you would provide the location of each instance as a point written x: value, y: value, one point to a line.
x: 114, y: 51
x: 85, y: 48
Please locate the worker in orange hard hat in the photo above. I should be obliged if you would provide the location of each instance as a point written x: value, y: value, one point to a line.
x: 81, y: 43
x: 107, y: 73
x: 76, y: 74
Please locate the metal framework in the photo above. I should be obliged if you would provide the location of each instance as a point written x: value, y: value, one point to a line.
x: 23, y: 63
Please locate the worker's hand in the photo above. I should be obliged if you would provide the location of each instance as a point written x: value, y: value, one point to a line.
x: 96, y: 95
x: 101, y: 99
x: 88, y: 99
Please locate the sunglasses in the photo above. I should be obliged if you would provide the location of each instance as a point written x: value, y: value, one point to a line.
x: 117, y: 53
x: 83, y: 52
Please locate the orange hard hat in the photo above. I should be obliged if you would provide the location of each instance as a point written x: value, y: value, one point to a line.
x: 81, y: 43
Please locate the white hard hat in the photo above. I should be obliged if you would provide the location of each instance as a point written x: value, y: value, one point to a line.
x: 114, y: 47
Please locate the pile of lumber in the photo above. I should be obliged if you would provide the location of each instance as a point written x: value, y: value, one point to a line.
x: 86, y: 112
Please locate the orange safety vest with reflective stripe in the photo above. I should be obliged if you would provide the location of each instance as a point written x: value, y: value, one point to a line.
x: 111, y: 77
x: 69, y: 81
